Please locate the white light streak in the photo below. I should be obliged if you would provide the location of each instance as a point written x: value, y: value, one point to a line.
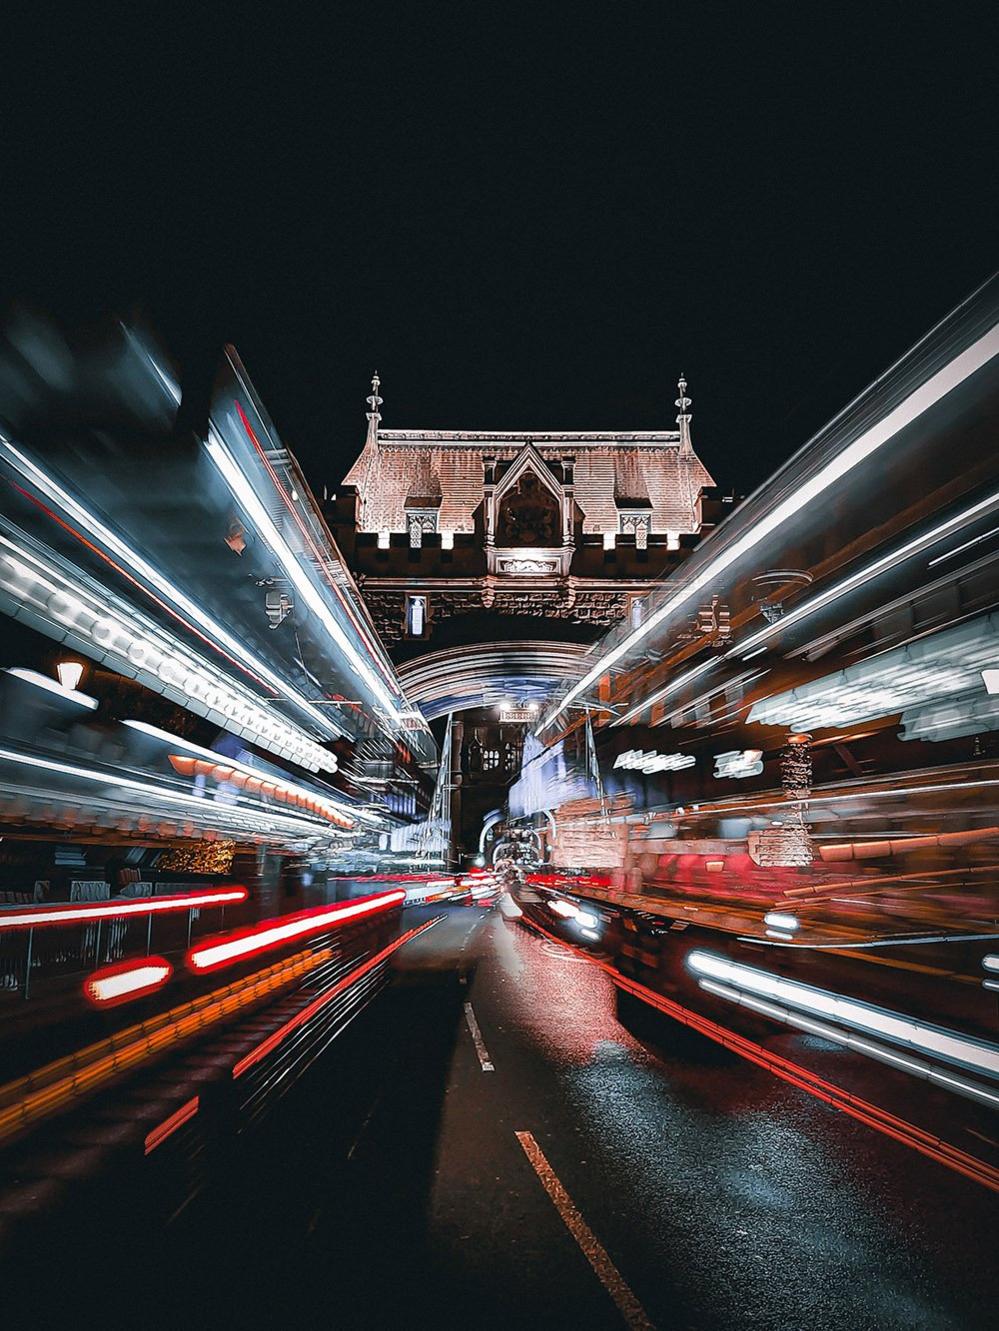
x: 220, y: 954
x: 91, y: 523
x: 105, y: 989
x: 223, y: 760
x: 934, y: 388
x: 865, y: 574
x: 662, y: 693
x: 194, y: 803
x: 76, y: 914
x: 975, y: 540
x: 139, y: 644
x: 50, y: 686
x: 872, y: 1050
x: 898, y: 1027
x: 250, y: 500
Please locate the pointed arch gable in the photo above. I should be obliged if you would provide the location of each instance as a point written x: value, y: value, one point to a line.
x: 529, y: 459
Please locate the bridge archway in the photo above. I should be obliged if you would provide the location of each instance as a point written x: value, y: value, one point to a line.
x: 483, y: 674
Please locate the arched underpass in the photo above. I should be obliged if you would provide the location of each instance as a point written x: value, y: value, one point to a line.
x: 476, y: 675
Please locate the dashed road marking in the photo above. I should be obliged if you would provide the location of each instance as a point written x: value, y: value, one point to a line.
x: 476, y: 1034
x: 593, y: 1250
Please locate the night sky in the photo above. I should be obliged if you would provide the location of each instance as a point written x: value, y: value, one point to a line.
x: 521, y: 218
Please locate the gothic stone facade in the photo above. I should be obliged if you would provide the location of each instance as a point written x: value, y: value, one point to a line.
x: 561, y: 525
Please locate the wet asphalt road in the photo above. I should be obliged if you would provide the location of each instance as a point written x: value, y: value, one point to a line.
x: 390, y: 1189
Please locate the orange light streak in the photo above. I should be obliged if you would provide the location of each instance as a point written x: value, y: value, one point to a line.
x: 49, y: 1089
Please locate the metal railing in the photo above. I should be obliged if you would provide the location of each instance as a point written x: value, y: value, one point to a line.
x: 60, y: 940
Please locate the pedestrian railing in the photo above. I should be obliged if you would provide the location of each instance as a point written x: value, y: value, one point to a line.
x: 57, y: 940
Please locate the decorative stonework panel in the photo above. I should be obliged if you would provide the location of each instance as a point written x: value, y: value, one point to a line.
x: 598, y: 608
x: 420, y: 520
x: 388, y: 610
x: 522, y: 565
x: 457, y: 603
x: 636, y: 522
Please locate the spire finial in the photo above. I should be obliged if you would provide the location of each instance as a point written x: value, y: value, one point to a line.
x: 374, y: 402
x: 683, y: 419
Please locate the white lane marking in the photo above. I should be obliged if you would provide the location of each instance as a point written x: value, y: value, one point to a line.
x: 367, y: 1119
x: 476, y: 1034
x: 593, y: 1250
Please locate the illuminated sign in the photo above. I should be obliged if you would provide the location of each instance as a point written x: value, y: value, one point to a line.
x: 635, y: 760
x: 518, y: 715
x: 739, y: 763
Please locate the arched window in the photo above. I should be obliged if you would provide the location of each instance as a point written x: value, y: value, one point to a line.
x: 511, y: 756
x: 490, y: 760
x: 473, y: 754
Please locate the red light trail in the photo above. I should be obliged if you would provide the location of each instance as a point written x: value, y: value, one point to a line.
x: 225, y: 949
x: 36, y: 917
x: 126, y: 980
x: 171, y: 1123
x: 300, y: 1018
x: 869, y: 1114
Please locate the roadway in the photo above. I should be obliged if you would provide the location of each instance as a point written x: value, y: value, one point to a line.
x: 487, y: 1145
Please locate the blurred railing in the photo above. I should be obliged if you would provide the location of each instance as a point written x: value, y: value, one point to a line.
x: 57, y: 941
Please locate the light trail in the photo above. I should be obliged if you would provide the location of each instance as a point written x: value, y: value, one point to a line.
x: 52, y: 1088
x: 244, y: 492
x: 224, y: 764
x: 115, y: 629
x: 871, y: 1115
x: 220, y: 635
x: 944, y: 381
x: 865, y: 574
x: 171, y: 1123
x: 37, y: 917
x: 127, y: 980
x: 230, y: 816
x: 874, y: 942
x: 53, y: 686
x: 871, y: 1049
x: 899, y: 1028
x: 319, y: 557
x: 260, y: 1051
x: 226, y: 949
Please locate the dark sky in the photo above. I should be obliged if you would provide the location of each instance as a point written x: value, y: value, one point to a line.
x: 520, y: 217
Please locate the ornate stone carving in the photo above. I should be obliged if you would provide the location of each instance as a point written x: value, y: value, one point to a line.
x: 388, y: 610
x: 420, y: 520
x: 522, y: 565
x: 528, y: 514
x: 600, y: 609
